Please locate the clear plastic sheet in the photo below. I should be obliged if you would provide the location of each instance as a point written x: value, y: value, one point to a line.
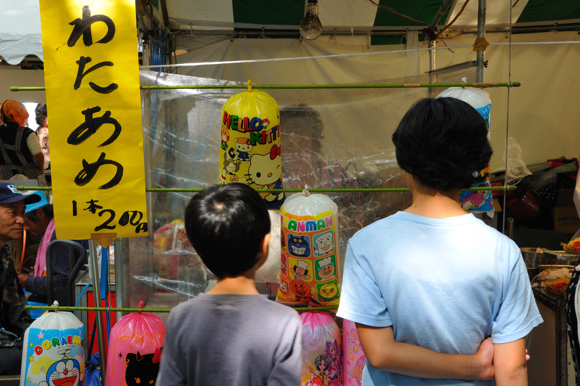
x: 330, y: 138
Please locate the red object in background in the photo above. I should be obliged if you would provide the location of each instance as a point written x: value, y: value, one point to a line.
x: 523, y: 204
x: 92, y: 319
x: 496, y: 193
x: 564, y: 161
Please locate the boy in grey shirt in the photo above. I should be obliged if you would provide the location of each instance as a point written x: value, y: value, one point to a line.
x: 231, y: 335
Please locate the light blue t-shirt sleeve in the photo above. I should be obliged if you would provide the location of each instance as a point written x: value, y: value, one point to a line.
x: 361, y: 300
x: 518, y: 313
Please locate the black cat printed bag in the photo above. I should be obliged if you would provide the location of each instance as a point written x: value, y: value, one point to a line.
x: 134, y: 351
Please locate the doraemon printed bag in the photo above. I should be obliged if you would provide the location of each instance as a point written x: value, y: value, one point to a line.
x: 53, y: 351
x: 250, y: 144
x: 309, y: 253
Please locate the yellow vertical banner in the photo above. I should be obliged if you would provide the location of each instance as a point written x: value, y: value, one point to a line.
x: 91, y: 73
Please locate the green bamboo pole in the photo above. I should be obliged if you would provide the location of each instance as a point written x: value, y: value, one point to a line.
x: 359, y: 190
x: 111, y: 309
x: 306, y: 86
x: 126, y: 309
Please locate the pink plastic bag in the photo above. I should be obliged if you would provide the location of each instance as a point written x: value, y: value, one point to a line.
x: 354, y: 357
x: 135, y: 350
x: 321, y: 350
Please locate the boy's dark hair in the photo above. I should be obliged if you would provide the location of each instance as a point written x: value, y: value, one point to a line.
x: 442, y: 142
x: 226, y: 225
x: 41, y: 113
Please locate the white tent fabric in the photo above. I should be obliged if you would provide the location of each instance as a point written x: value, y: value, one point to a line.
x: 19, y: 30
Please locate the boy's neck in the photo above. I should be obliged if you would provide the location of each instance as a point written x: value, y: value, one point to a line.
x: 239, y: 285
x: 429, y: 202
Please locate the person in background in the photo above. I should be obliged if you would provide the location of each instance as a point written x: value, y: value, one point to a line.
x: 20, y: 152
x: 433, y: 280
x: 39, y: 221
x: 14, y: 319
x: 231, y: 335
x: 42, y: 132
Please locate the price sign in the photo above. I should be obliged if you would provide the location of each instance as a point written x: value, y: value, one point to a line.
x: 92, y: 90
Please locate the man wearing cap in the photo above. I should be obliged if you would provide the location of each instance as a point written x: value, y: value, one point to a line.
x: 14, y: 319
x: 20, y: 151
x: 39, y: 222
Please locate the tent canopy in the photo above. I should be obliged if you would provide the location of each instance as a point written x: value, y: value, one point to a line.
x: 383, y: 14
x: 20, y: 20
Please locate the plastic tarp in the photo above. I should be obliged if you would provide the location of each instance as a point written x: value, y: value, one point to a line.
x: 329, y: 139
x: 20, y: 30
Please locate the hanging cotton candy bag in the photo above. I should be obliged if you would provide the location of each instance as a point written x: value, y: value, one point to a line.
x: 353, y: 356
x: 134, y: 351
x: 309, y: 253
x: 250, y: 144
x: 476, y: 201
x: 53, y: 351
x: 321, y: 350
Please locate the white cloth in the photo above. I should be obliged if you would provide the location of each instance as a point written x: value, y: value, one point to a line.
x: 444, y: 284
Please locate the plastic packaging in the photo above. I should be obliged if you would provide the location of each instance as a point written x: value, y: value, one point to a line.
x: 135, y: 350
x: 250, y: 144
x: 354, y: 358
x: 475, y: 200
x: 309, y: 238
x: 321, y: 350
x: 53, y: 351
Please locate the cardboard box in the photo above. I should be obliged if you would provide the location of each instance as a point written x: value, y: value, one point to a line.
x: 565, y: 214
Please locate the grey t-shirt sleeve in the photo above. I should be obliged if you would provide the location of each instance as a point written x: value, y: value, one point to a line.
x: 288, y: 362
x: 171, y: 368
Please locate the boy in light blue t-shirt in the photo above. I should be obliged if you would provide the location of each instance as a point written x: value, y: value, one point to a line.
x: 433, y: 281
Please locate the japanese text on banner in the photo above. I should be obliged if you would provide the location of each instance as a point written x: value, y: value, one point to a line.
x: 92, y: 90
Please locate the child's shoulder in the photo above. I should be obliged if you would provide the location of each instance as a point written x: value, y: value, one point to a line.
x: 252, y: 303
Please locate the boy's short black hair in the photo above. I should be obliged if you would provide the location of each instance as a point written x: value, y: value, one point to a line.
x: 226, y: 225
x: 442, y: 142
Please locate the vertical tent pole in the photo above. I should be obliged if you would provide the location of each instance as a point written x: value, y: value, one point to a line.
x: 432, y: 67
x: 94, y: 268
x: 481, y: 10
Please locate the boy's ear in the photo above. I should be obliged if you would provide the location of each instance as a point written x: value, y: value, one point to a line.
x: 265, y: 245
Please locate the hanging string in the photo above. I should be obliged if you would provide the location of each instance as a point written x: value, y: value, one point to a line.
x: 397, y: 13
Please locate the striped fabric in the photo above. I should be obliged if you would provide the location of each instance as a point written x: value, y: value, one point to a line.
x: 20, y: 20
x: 287, y: 14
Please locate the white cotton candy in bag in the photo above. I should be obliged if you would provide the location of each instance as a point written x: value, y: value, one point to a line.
x: 309, y: 251
x: 53, y: 351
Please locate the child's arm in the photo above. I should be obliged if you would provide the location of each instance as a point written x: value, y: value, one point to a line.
x: 510, y: 364
x: 384, y: 353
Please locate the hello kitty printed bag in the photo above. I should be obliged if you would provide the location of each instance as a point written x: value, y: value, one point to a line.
x: 250, y: 144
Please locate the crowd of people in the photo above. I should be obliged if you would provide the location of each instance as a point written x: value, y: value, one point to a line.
x: 24, y: 155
